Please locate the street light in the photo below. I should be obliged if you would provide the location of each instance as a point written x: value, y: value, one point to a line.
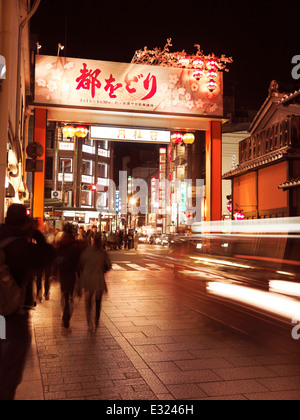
x: 38, y: 47
x: 60, y: 48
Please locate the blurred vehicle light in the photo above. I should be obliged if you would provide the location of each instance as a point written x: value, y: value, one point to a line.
x: 285, y: 287
x: 280, y: 305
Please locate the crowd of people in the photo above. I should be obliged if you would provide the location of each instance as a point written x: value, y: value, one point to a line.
x: 77, y: 259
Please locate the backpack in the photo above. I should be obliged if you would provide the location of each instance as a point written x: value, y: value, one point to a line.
x: 10, y: 292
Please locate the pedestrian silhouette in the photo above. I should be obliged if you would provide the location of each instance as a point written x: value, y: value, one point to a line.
x: 94, y: 263
x: 68, y: 254
x: 27, y: 250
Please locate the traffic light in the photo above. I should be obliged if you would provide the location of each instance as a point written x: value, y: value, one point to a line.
x: 89, y: 187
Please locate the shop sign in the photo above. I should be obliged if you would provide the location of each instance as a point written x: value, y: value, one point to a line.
x: 104, y: 153
x: 80, y: 215
x: 130, y: 134
x: 87, y: 178
x: 125, y: 86
x: 88, y: 149
x: 66, y: 146
x: 65, y: 177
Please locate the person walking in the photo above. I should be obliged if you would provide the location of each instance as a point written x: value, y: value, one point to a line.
x: 68, y: 254
x: 94, y: 263
x: 25, y: 250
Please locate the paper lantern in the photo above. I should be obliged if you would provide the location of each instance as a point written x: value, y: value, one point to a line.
x: 198, y: 63
x: 238, y: 215
x: 212, y: 74
x: 81, y: 131
x: 198, y: 74
x: 188, y: 138
x: 184, y: 61
x: 212, y: 64
x: 176, y: 138
x: 68, y: 131
x: 211, y: 85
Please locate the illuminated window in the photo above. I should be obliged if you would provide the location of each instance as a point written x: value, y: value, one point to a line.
x: 66, y: 165
x: 102, y: 170
x: 87, y: 167
x: 86, y: 198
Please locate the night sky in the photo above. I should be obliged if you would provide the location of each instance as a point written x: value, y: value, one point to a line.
x: 262, y: 36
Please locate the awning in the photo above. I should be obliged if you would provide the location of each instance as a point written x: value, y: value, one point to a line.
x: 292, y: 183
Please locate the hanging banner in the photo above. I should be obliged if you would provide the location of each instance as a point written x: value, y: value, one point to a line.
x: 121, y: 86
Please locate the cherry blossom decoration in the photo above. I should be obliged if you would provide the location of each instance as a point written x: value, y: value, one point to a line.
x: 202, y: 65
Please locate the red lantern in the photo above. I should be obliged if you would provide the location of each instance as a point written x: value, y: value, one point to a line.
x: 176, y: 138
x: 198, y: 74
x: 198, y: 63
x: 68, y: 131
x: 211, y: 85
x: 212, y: 64
x: 188, y: 138
x: 212, y: 74
x: 238, y: 215
x: 184, y: 61
x: 81, y: 131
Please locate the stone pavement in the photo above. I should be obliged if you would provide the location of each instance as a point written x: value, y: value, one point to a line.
x: 150, y: 347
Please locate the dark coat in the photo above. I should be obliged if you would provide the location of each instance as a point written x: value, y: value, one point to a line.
x: 23, y: 255
x: 67, y: 259
x: 94, y: 263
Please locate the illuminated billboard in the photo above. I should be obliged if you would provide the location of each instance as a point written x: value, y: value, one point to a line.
x: 125, y: 86
x: 130, y: 134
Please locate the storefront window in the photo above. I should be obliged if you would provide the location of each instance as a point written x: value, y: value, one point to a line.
x: 87, y: 141
x: 102, y: 201
x: 86, y: 198
x: 102, y: 170
x: 87, y: 167
x: 66, y: 165
x: 102, y: 144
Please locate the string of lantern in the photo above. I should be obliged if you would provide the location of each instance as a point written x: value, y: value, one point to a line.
x: 178, y: 138
x: 199, y: 62
x: 80, y: 131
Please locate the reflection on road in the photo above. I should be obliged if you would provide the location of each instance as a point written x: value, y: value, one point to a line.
x: 253, y: 268
x: 268, y: 301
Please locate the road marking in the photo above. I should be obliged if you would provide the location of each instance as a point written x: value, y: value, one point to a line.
x: 116, y: 267
x: 138, y: 267
x: 155, y: 266
x: 122, y: 262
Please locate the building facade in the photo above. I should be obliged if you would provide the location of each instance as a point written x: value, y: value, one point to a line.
x: 77, y: 173
x: 14, y: 88
x: 266, y: 182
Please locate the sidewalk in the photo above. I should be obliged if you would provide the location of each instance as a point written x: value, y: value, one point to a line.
x: 150, y: 347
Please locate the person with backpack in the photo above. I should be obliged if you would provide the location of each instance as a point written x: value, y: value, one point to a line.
x: 23, y: 249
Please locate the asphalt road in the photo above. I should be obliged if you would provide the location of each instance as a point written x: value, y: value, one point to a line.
x: 189, y: 285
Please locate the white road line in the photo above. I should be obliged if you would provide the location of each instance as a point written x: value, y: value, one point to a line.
x: 116, y: 267
x: 137, y: 267
x: 155, y: 266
